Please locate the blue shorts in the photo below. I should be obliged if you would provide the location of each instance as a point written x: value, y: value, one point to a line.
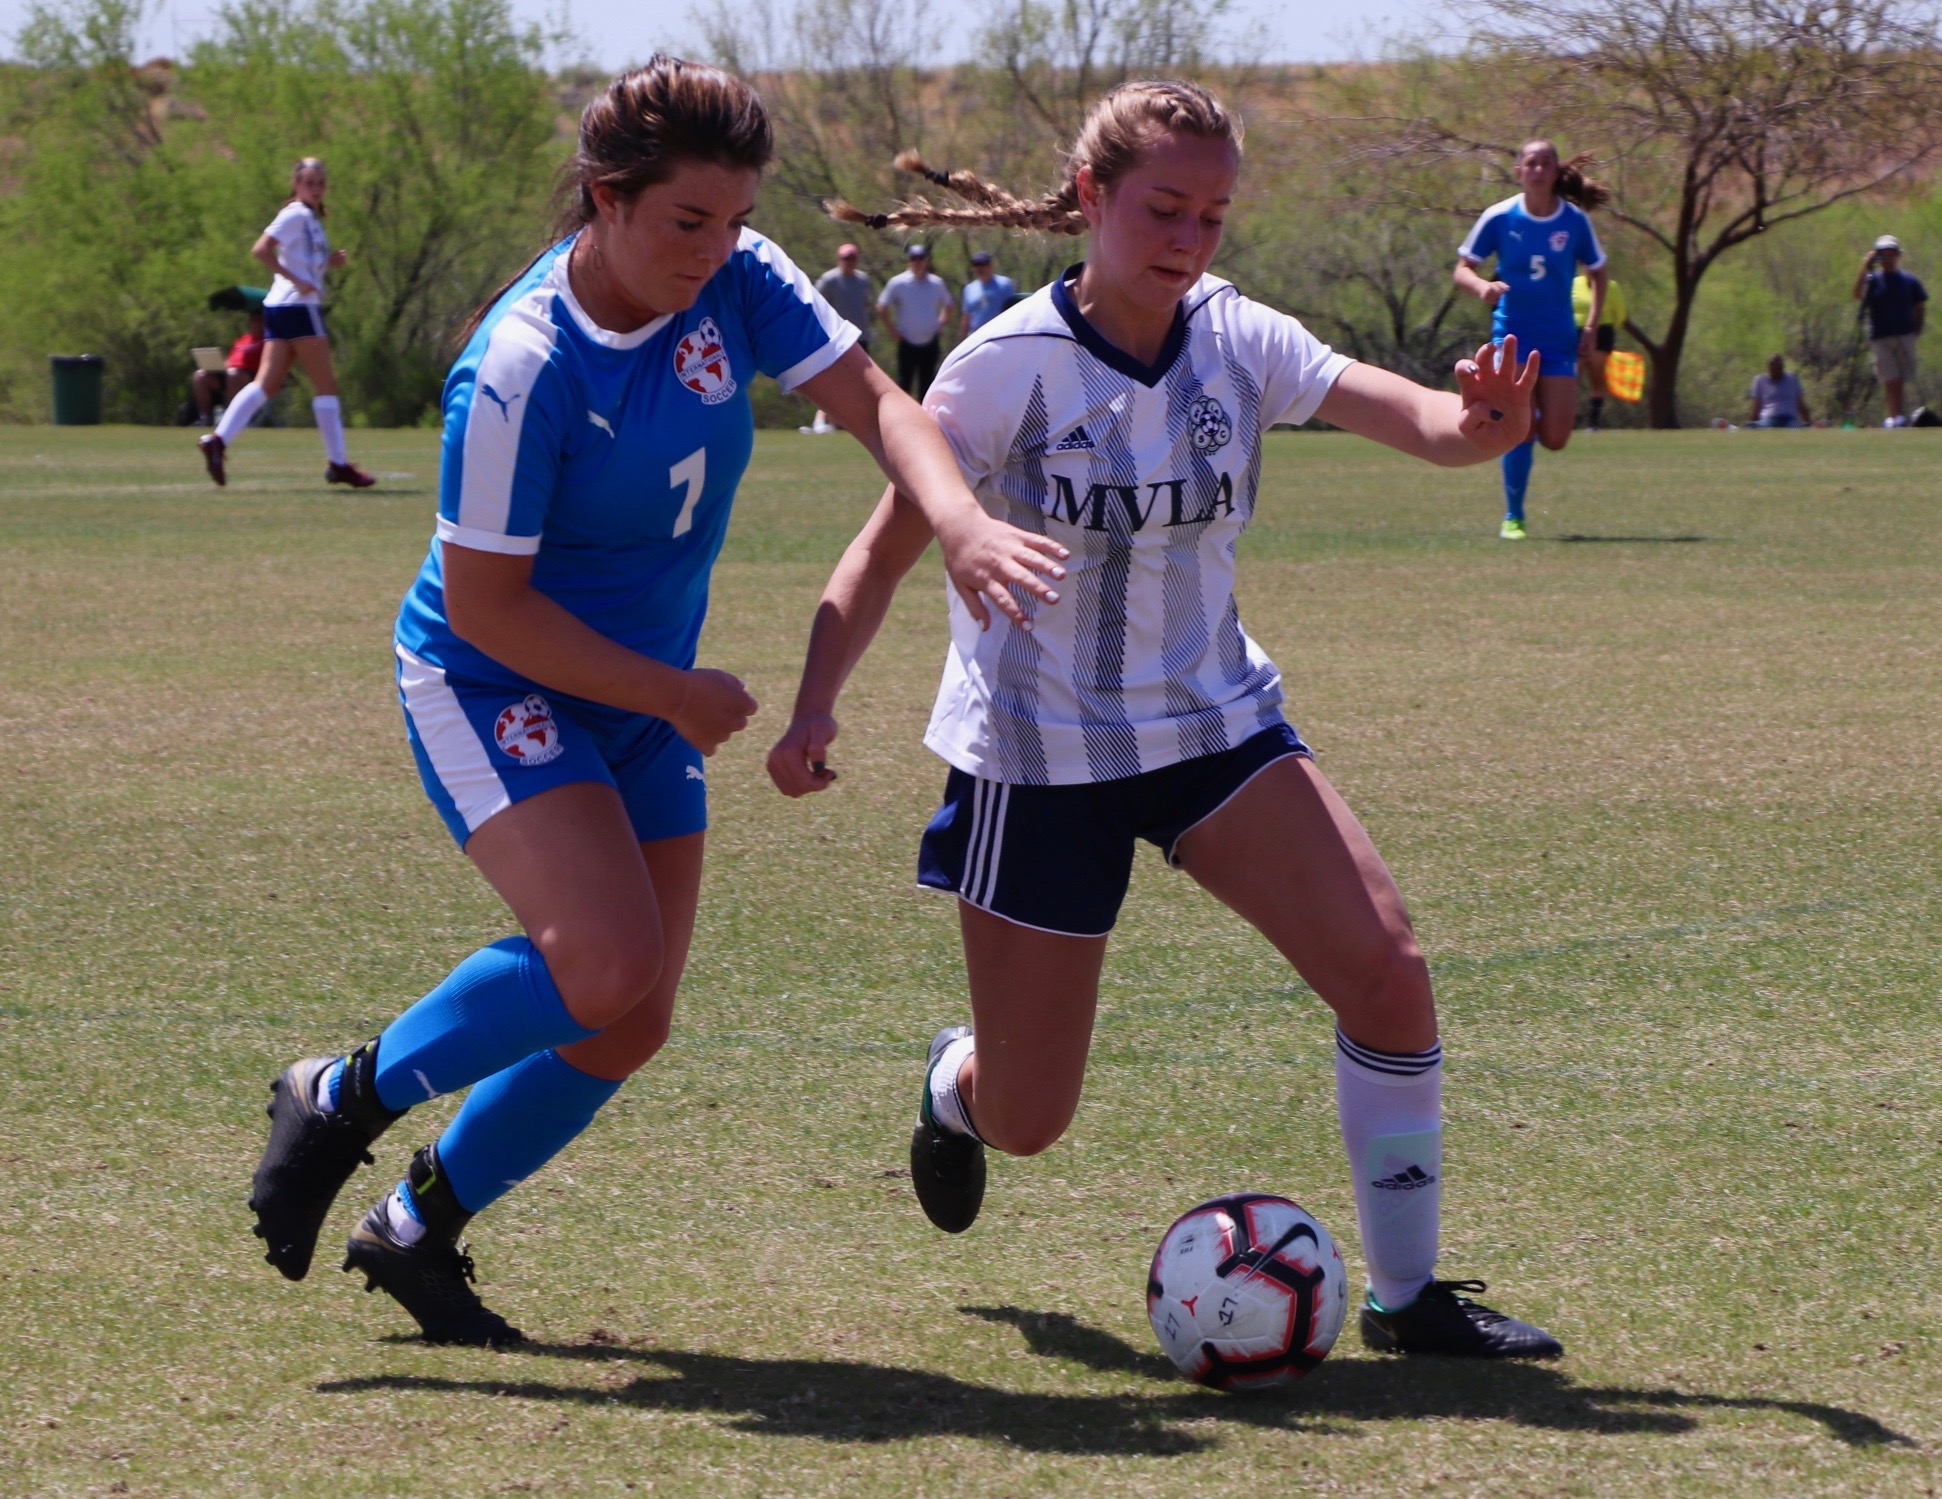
x: 481, y: 747
x: 1560, y: 360
x: 293, y: 320
x: 1059, y: 858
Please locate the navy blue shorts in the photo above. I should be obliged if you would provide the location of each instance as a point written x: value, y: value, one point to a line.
x: 293, y: 320
x: 482, y: 747
x: 1059, y: 858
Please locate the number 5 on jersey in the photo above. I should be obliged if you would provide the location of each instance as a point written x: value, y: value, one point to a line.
x: 689, y: 476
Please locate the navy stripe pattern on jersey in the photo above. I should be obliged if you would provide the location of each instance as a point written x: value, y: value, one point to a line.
x: 1184, y: 633
x: 1148, y: 474
x: 1249, y: 678
x: 1014, y: 690
x: 1099, y: 669
x: 1391, y: 1063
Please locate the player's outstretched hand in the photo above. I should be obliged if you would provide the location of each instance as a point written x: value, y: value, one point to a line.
x: 1497, y: 396
x: 796, y: 764
x: 716, y: 706
x: 987, y: 559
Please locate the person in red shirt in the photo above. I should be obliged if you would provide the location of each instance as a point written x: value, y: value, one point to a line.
x: 239, y: 369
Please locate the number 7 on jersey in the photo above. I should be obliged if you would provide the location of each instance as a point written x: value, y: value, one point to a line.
x: 690, y: 475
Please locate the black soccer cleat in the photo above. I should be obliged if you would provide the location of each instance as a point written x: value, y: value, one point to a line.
x: 946, y: 1168
x: 310, y: 1156
x: 431, y: 1279
x: 212, y: 448
x: 1443, y: 1319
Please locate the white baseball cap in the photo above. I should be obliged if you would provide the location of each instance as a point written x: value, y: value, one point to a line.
x: 1888, y: 242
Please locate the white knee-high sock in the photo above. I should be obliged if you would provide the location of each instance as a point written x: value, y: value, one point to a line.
x: 330, y: 426
x: 1391, y: 1107
x: 241, y: 412
x: 947, y: 1104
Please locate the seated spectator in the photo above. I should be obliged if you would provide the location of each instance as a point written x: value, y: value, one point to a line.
x: 1778, y: 400
x: 219, y: 387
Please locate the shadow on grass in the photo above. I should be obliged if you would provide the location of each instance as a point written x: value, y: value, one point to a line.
x: 1577, y: 536
x: 838, y: 1400
x: 1393, y: 1388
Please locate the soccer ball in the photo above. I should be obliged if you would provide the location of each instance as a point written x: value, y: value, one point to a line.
x: 1246, y: 1292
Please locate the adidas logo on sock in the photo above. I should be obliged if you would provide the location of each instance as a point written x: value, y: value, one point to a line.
x: 1075, y: 441
x: 1405, y: 1181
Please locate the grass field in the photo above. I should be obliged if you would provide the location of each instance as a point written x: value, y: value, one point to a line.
x: 1661, y: 785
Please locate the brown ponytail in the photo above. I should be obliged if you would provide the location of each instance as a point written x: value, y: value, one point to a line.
x: 1118, y: 129
x: 1575, y: 186
x: 639, y: 129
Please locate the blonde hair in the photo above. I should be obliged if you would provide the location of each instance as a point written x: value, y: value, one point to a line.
x: 1119, y: 127
x: 308, y: 163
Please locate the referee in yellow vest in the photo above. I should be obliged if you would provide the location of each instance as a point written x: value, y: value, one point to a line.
x: 1608, y: 321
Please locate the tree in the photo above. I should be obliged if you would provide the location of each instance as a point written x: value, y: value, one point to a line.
x: 140, y: 189
x: 1718, y: 119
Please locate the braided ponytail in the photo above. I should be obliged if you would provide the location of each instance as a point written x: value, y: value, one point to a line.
x: 1118, y: 129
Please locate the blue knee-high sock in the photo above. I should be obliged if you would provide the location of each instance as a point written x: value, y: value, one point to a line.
x: 497, y: 1006
x: 516, y: 1121
x: 1517, y: 477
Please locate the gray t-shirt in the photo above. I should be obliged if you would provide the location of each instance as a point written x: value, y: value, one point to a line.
x: 1777, y: 397
x: 918, y: 308
x: 852, y: 294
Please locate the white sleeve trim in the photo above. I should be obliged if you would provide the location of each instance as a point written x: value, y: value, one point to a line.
x: 1318, y: 389
x: 822, y: 359
x: 477, y: 540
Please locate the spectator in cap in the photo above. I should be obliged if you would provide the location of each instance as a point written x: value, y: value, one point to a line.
x: 849, y: 289
x: 985, y: 296
x: 1895, y: 303
x: 915, y: 306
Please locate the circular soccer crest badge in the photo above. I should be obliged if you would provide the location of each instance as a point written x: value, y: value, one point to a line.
x: 1207, y: 421
x: 528, y: 732
x: 701, y: 364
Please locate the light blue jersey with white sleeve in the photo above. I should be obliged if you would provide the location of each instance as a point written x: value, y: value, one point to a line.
x: 611, y: 458
x: 1537, y: 258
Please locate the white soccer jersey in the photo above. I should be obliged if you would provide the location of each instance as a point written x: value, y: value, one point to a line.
x: 304, y: 248
x: 1148, y: 476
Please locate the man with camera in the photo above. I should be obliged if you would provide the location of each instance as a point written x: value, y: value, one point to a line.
x: 1896, y: 306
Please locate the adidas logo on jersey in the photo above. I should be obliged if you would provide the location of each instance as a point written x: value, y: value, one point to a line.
x: 1075, y: 441
x: 1405, y: 1181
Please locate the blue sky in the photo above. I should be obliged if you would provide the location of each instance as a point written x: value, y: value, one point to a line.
x: 622, y: 31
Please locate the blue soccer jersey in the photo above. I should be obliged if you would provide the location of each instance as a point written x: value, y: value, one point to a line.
x: 612, y: 458
x: 1537, y: 258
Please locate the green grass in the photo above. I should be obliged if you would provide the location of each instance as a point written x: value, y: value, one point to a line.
x: 1664, y: 799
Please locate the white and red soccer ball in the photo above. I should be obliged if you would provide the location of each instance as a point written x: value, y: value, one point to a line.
x: 1247, y: 1292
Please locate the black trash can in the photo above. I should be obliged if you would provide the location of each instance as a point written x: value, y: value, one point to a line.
x: 77, y: 389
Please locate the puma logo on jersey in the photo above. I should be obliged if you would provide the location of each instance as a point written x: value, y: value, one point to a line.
x: 1078, y: 440
x: 601, y: 422
x: 694, y: 774
x: 504, y: 403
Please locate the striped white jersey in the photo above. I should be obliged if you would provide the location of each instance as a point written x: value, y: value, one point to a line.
x: 1149, y: 477
x: 302, y: 245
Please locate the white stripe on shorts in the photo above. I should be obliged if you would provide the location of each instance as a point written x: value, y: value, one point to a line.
x: 450, y: 741
x: 990, y: 800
